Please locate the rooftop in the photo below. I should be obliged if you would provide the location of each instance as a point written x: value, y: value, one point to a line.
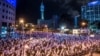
x: 93, y: 3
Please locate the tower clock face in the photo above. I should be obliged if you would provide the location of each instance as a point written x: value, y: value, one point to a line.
x: 12, y: 2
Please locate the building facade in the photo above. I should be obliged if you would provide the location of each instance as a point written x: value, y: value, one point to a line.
x: 91, y: 11
x: 7, y: 14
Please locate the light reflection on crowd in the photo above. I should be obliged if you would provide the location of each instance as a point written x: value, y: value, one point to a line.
x: 49, y: 44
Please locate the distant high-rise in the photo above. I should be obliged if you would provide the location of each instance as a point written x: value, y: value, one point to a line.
x: 42, y: 10
x: 52, y: 23
x: 91, y: 11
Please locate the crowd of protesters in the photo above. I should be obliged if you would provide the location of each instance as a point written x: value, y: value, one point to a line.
x: 49, y: 44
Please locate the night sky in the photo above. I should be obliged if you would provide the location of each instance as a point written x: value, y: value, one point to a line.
x: 65, y: 9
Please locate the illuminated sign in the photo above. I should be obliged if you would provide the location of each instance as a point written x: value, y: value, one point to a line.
x: 76, y: 31
x: 12, y: 2
x: 92, y: 35
x: 3, y: 31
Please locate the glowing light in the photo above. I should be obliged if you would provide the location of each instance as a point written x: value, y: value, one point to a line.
x: 83, y: 23
x: 62, y: 27
x: 32, y: 25
x: 94, y: 3
x: 26, y: 25
x: 32, y: 29
x: 42, y: 11
x: 3, y: 31
x: 42, y: 6
x: 31, y: 38
x: 46, y: 26
x: 12, y: 2
x: 66, y: 29
x: 21, y: 21
x: 92, y: 35
x: 26, y: 46
x: 16, y: 25
x: 76, y: 31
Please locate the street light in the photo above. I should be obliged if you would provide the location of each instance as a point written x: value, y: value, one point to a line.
x: 32, y: 25
x: 45, y: 26
x: 16, y: 25
x: 21, y: 21
x: 63, y: 28
x: 31, y: 31
x: 92, y: 35
x: 45, y: 29
x: 83, y: 23
x: 26, y: 25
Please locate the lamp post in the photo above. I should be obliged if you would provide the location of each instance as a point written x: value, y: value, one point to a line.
x: 45, y: 28
x: 83, y: 24
x: 21, y: 21
x: 62, y: 29
x: 16, y: 25
x: 33, y: 25
x: 31, y: 31
x: 26, y: 25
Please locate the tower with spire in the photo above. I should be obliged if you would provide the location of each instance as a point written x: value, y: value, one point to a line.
x: 42, y: 21
x: 42, y: 10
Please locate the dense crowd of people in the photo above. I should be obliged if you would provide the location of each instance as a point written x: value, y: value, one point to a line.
x: 49, y: 44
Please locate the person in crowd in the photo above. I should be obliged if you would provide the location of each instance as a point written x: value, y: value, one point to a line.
x: 49, y: 44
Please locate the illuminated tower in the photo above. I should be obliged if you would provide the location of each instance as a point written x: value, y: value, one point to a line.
x: 42, y: 10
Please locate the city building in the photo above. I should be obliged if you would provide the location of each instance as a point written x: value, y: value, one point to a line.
x: 7, y: 15
x: 42, y: 13
x: 52, y: 23
x: 91, y: 12
x: 42, y: 10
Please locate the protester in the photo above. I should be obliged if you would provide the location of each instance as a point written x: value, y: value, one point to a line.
x: 49, y: 44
